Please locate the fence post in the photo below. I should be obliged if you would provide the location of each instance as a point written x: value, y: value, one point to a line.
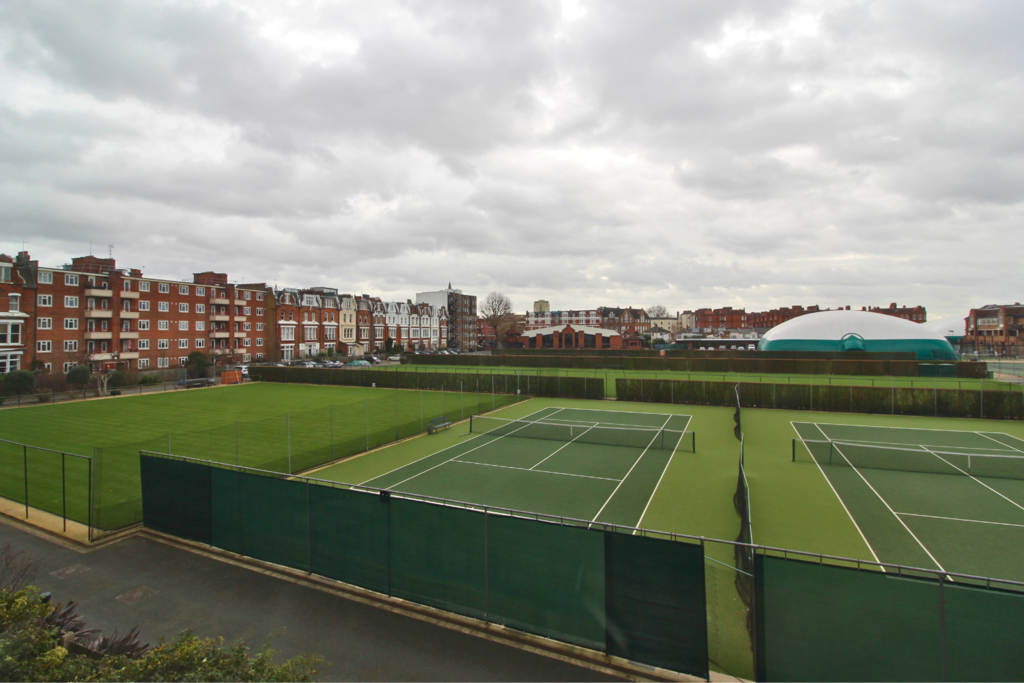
x: 396, y: 414
x: 442, y: 399
x: 462, y: 402
x: 942, y: 622
x: 24, y: 455
x: 236, y: 443
x: 892, y: 394
x: 288, y: 433
x: 90, y: 488
x: 63, y: 493
x: 367, y: 405
x: 330, y: 423
x: 982, y: 417
x: 492, y: 392
x: 421, y: 408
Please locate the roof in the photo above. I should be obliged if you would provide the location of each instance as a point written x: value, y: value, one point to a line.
x: 576, y: 328
x: 835, y: 325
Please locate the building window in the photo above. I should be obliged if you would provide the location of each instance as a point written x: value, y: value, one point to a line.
x: 71, y: 280
x: 248, y: 295
x: 259, y: 296
x: 259, y: 327
x: 163, y: 325
x: 163, y: 343
x: 182, y: 360
x: 246, y: 311
x: 15, y: 333
x: 259, y: 311
x: 200, y: 343
x: 67, y: 367
x: 143, y: 363
x: 183, y: 289
x: 183, y: 343
x: 45, y: 277
x: 143, y: 286
x: 70, y: 345
x: 200, y: 308
x: 310, y: 332
x: 143, y: 305
x: 200, y: 291
x: 163, y: 288
x: 14, y: 303
x: 44, y: 346
x: 163, y: 362
x: 183, y: 325
x: 143, y: 345
x: 288, y: 333
x: 246, y: 327
x: 246, y: 342
x: 259, y: 341
x: 70, y: 323
x: 71, y: 302
x: 143, y: 325
x: 200, y: 325
x: 44, y: 300
x: 44, y: 323
x: 163, y: 307
x: 182, y: 308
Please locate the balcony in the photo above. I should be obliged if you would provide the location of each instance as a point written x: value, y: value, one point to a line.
x: 239, y: 334
x: 99, y: 335
x: 129, y: 295
x: 101, y: 356
x: 99, y: 292
x: 220, y: 302
x: 239, y: 302
x: 220, y: 318
x: 98, y: 313
x: 220, y: 335
x: 220, y: 352
x: 129, y: 335
x: 129, y: 315
x: 128, y: 355
x: 239, y: 318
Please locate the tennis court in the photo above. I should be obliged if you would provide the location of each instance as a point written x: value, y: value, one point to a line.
x: 929, y: 498
x: 594, y: 465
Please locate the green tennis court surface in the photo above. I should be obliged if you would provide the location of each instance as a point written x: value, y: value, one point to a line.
x: 594, y: 465
x: 929, y: 498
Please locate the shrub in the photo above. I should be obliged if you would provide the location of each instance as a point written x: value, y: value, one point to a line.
x: 19, y: 382
x: 79, y: 376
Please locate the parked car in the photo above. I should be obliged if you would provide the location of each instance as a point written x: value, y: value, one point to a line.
x: 243, y: 368
x: 372, y: 359
x: 395, y: 359
x: 357, y: 363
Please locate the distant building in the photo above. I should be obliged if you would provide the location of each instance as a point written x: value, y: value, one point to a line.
x: 995, y: 328
x: 541, y: 306
x: 716, y: 321
x: 570, y: 337
x: 461, y: 310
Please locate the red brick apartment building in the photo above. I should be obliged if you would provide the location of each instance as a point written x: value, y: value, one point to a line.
x: 716, y: 321
x: 777, y: 316
x: 995, y: 328
x: 91, y: 312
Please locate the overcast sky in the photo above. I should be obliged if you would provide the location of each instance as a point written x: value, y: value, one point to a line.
x: 756, y: 154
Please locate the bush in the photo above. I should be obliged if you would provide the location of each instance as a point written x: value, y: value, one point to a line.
x: 116, y: 379
x: 80, y: 375
x: 115, y: 392
x: 18, y: 382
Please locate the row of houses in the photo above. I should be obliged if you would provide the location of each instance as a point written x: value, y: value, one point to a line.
x: 92, y: 312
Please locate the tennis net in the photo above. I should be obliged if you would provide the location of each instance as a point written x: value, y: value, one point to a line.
x: 908, y: 459
x: 630, y: 437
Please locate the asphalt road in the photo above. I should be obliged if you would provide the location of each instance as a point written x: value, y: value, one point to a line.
x: 165, y: 590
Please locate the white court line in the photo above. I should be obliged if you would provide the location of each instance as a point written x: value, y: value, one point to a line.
x: 627, y: 474
x: 957, y: 519
x: 998, y: 441
x: 829, y: 482
x: 617, y: 425
x: 523, y: 469
x: 944, y: 449
x: 906, y: 429
x: 974, y: 478
x: 642, y: 514
x: 625, y: 412
x: 565, y: 445
x: 898, y: 519
x: 440, y: 451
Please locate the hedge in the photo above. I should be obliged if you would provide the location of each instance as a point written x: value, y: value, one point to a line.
x: 715, y: 363
x: 527, y: 385
x: 727, y: 353
x: 996, y: 405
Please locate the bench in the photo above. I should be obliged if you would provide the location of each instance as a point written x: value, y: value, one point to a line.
x: 437, y: 424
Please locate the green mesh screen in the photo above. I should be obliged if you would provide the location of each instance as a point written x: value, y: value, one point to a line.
x: 823, y: 623
x: 437, y: 556
x: 984, y: 632
x: 349, y: 536
x: 12, y: 464
x: 176, y: 497
x: 547, y: 579
x: 654, y: 596
x: 729, y: 646
x: 262, y: 517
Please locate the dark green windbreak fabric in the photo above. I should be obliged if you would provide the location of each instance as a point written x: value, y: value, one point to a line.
x: 984, y: 634
x: 349, y: 536
x: 437, y: 556
x: 547, y: 579
x: 262, y: 517
x: 823, y: 623
x: 176, y: 497
x: 655, y: 601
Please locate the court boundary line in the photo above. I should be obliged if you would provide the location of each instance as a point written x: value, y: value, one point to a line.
x: 612, y: 425
x: 918, y: 429
x: 886, y: 504
x: 1000, y: 442
x: 628, y: 473
x: 430, y: 455
x: 565, y: 445
x: 663, y: 471
x: 974, y: 478
x: 942, y: 449
x: 836, y: 493
x: 523, y: 469
x: 957, y: 519
x: 623, y: 412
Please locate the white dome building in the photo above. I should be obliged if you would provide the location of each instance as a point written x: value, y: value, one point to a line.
x: 856, y: 331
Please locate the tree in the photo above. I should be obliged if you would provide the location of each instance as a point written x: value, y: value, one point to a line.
x: 657, y: 311
x: 197, y: 363
x: 79, y: 376
x: 19, y: 382
x: 497, y: 311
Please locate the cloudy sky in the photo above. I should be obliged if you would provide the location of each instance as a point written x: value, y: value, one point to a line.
x: 691, y: 154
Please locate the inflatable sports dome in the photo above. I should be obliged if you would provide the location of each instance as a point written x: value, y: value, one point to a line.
x: 856, y: 331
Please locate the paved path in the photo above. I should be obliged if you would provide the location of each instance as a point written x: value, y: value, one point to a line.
x: 166, y: 590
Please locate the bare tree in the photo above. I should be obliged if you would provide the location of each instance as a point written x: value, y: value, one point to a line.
x: 497, y: 311
x: 657, y: 311
x: 17, y: 567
